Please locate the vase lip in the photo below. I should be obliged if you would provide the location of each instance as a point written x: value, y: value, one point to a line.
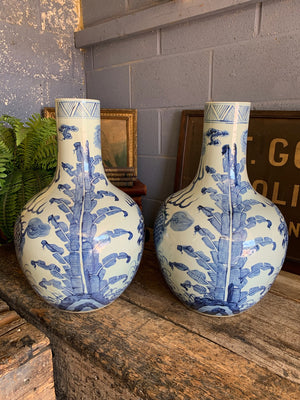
x: 244, y: 103
x: 61, y: 99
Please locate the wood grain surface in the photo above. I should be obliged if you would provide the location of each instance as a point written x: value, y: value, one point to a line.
x: 26, y: 370
x: 150, y: 346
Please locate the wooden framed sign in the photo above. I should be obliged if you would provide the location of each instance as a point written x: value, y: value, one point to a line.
x: 273, y: 161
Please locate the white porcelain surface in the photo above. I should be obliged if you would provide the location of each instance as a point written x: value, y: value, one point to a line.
x: 220, y: 243
x: 80, y: 241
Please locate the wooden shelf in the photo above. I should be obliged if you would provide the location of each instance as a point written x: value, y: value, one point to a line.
x: 137, y: 191
x: 147, y: 345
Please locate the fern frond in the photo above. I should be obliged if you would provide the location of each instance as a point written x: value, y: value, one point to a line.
x: 34, y: 181
x: 6, y: 163
x: 40, y: 141
x: 28, y: 157
x: 20, y: 187
x: 46, y: 156
x: 13, y: 122
x: 7, y: 138
x: 9, y: 208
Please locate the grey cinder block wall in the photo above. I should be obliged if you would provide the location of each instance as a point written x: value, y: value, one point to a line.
x: 251, y: 53
x: 38, y: 59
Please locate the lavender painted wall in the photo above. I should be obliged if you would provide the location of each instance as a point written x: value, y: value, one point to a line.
x: 247, y: 54
x: 38, y: 60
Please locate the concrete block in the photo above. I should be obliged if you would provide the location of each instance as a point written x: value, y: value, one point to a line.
x: 150, y: 211
x: 77, y: 65
x: 88, y: 58
x: 56, y: 89
x: 148, y: 138
x: 25, y: 51
x: 125, y: 50
x: 140, y: 4
x: 290, y: 105
x: 13, y: 12
x: 110, y: 86
x: 170, y: 132
x: 260, y: 70
x: 208, y: 32
x: 21, y: 96
x: 94, y: 11
x: 152, y: 18
x: 173, y: 80
x: 280, y: 17
x: 158, y: 173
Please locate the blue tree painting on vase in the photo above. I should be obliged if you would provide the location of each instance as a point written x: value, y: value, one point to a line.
x: 222, y: 283
x: 80, y: 277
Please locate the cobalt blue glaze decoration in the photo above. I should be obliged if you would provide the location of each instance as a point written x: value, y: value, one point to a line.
x: 220, y: 243
x: 80, y: 240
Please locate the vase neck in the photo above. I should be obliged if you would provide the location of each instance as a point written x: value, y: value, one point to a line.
x: 78, y: 136
x: 224, y: 144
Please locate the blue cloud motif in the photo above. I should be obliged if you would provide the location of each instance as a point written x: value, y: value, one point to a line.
x: 180, y: 221
x: 66, y: 129
x: 36, y: 228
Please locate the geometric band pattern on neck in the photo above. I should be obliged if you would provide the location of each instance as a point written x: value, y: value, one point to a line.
x: 227, y: 112
x: 78, y: 109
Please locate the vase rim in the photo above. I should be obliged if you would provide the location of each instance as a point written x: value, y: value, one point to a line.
x: 244, y: 103
x: 60, y: 99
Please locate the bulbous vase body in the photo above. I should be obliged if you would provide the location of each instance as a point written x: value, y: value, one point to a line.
x: 219, y: 242
x: 80, y: 240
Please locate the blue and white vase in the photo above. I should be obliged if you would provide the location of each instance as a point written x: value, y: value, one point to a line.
x: 220, y: 243
x: 80, y: 240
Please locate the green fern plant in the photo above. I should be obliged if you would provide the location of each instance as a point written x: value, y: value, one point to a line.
x: 28, y: 156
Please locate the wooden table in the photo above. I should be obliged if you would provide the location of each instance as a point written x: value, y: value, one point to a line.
x: 147, y: 345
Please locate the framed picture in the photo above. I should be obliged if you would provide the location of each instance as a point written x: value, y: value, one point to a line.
x: 273, y: 163
x: 118, y: 143
x: 119, y: 139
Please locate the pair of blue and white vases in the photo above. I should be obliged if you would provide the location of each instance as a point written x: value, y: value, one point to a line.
x: 220, y: 244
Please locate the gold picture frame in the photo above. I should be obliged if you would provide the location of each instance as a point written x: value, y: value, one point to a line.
x: 119, y: 139
x: 118, y: 142
x: 49, y: 112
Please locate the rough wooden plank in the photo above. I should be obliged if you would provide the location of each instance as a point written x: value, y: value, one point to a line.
x: 77, y: 378
x: 3, y: 306
x: 170, y: 364
x: 7, y: 317
x: 12, y: 325
x: 26, y: 370
x: 287, y: 285
x: 32, y: 380
x: 268, y: 334
x: 153, y: 18
x: 19, y: 345
x: 154, y: 358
